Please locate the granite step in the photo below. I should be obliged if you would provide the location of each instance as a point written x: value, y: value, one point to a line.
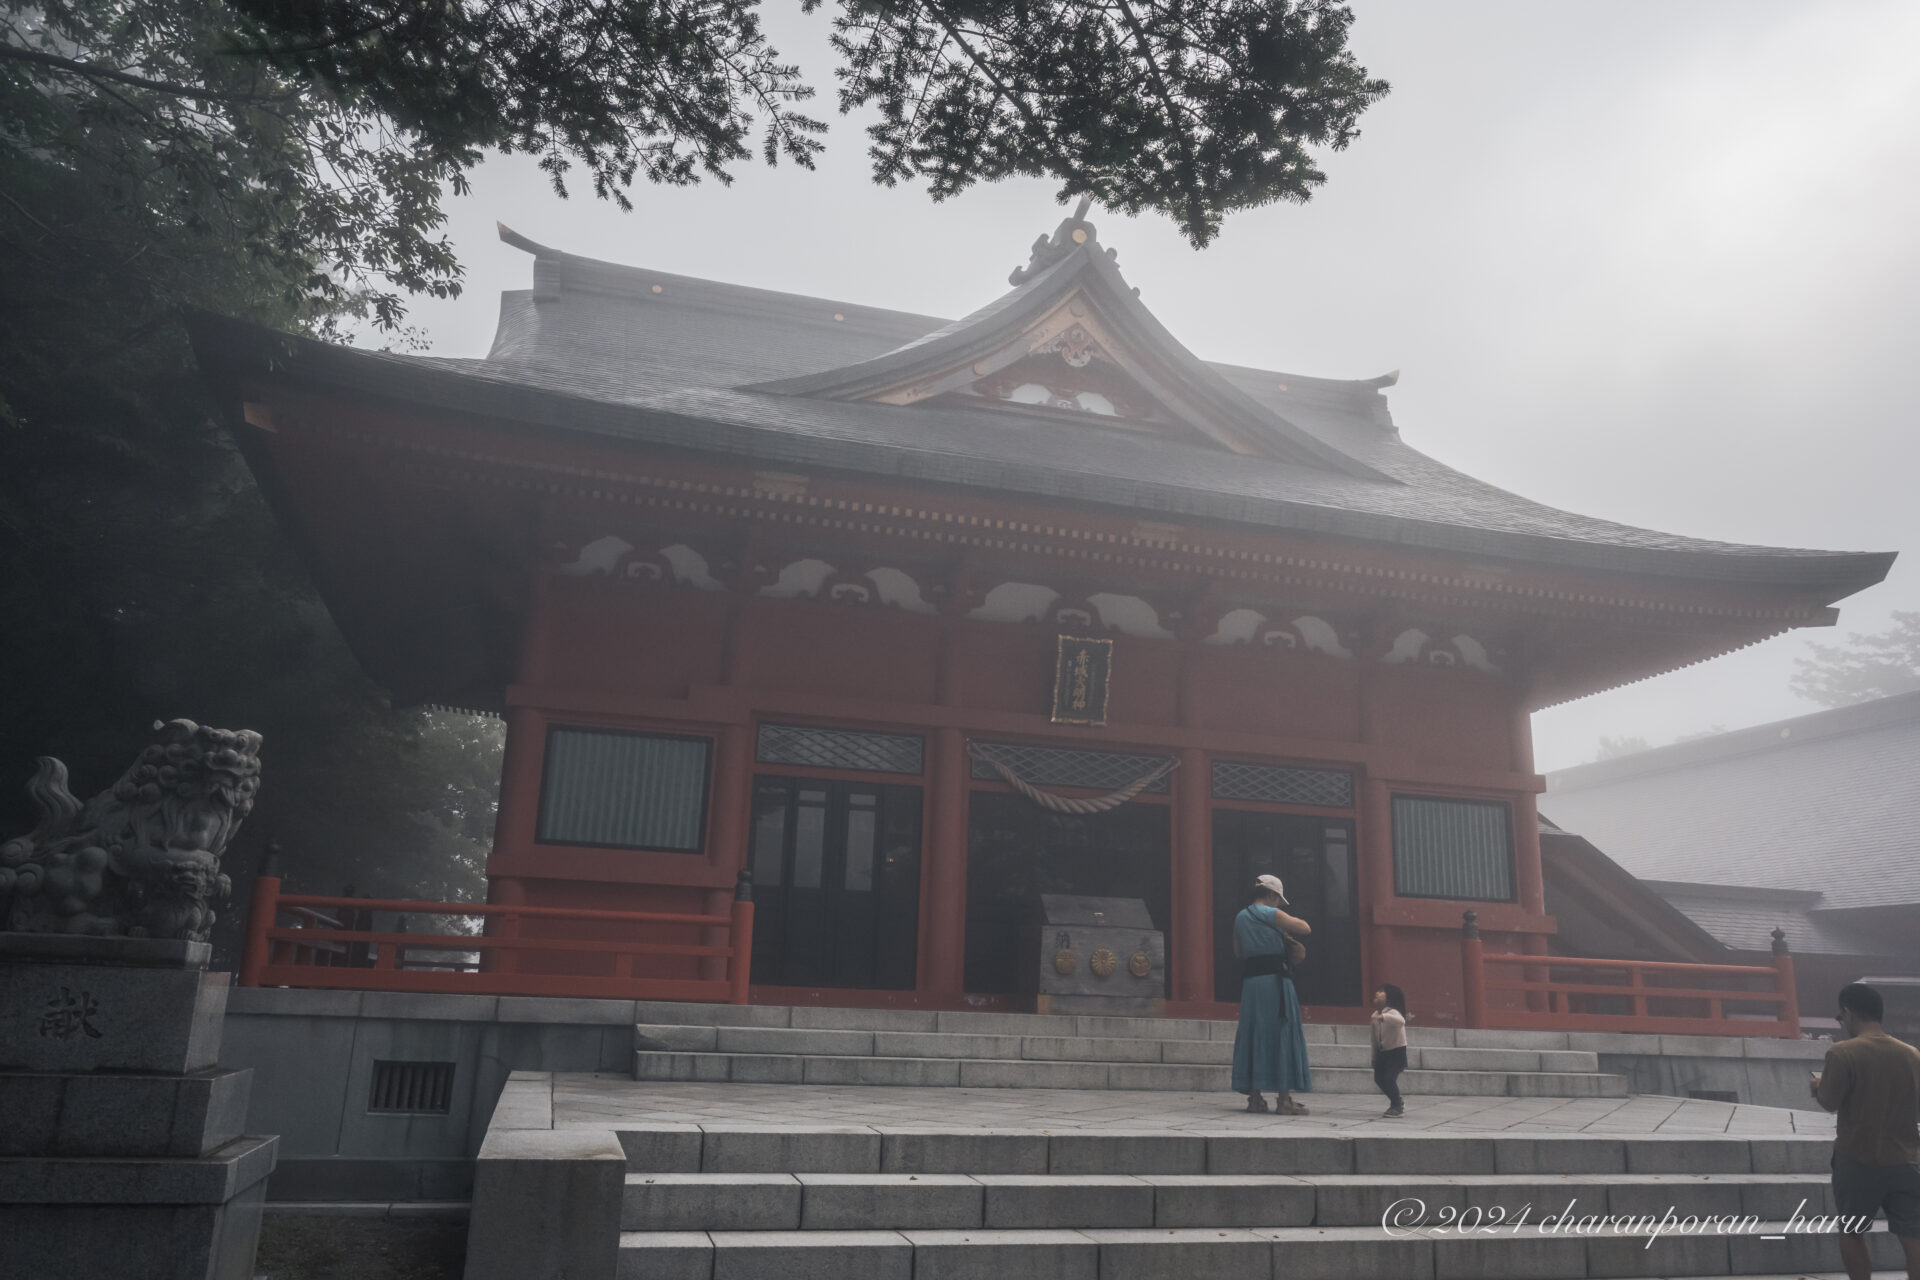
x: 980, y: 1022
x: 1245, y: 1253
x: 983, y: 1022
x: 1025, y: 1201
x: 1264, y: 1147
x: 1021, y: 1073
x: 1079, y: 1047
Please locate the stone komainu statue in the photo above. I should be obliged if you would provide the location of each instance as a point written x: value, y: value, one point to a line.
x: 143, y: 859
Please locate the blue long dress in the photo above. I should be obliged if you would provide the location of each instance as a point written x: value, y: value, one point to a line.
x: 1269, y: 1049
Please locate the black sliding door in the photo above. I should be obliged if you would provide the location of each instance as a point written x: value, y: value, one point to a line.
x: 836, y: 883
x: 1314, y: 858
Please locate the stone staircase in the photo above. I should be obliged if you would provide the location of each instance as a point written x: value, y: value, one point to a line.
x: 756, y: 1203
x: 780, y: 1045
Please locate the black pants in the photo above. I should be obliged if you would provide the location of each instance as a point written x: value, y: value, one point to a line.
x: 1387, y: 1066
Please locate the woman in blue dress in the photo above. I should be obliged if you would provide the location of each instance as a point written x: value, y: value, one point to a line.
x: 1269, y: 1049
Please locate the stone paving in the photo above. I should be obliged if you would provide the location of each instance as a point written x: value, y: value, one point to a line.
x: 603, y: 1101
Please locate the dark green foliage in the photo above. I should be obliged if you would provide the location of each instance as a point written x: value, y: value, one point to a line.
x: 1191, y: 108
x: 626, y: 87
x: 1870, y: 665
x: 141, y: 576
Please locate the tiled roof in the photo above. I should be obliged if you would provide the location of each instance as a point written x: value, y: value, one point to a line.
x: 665, y: 360
x: 1827, y: 804
x: 1746, y: 921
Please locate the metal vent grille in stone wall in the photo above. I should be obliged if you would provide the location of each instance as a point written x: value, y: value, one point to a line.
x: 1277, y: 784
x: 416, y: 1087
x: 1065, y: 767
x: 841, y: 749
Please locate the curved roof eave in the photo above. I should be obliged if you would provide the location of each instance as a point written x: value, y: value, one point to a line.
x: 239, y: 348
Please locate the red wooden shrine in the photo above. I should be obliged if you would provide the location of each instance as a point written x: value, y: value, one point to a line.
x: 779, y: 584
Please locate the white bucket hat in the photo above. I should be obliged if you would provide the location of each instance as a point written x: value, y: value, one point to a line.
x: 1272, y: 885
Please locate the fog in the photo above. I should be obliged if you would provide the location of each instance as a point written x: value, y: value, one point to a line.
x: 1652, y: 262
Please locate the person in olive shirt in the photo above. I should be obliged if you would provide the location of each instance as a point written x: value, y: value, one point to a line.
x: 1873, y: 1082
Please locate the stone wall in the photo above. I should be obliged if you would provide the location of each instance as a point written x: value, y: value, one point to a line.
x: 314, y: 1054
x: 1762, y: 1072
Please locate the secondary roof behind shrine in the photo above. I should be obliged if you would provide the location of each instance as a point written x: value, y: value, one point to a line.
x: 1824, y: 804
x: 780, y: 379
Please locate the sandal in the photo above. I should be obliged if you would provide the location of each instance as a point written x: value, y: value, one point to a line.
x: 1291, y: 1108
x: 1256, y: 1104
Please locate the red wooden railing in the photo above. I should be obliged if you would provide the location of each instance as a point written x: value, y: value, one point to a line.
x: 1627, y: 995
x: 321, y: 949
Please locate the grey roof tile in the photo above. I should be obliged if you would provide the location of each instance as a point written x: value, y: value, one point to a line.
x: 596, y: 348
x: 1749, y: 926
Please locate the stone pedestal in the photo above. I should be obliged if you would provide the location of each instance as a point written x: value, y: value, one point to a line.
x: 121, y: 1152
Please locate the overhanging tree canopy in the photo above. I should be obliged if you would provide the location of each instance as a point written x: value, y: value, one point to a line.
x: 285, y: 161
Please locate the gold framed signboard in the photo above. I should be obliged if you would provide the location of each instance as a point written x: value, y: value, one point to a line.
x: 1080, y: 675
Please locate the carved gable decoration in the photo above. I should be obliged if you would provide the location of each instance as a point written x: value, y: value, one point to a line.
x: 1073, y: 341
x: 1073, y: 373
x: 1074, y: 358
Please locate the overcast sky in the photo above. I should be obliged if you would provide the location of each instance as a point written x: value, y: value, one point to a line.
x: 1655, y: 262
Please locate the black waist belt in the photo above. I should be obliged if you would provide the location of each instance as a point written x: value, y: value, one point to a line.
x: 1256, y: 966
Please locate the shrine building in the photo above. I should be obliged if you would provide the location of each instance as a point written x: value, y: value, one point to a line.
x: 918, y: 619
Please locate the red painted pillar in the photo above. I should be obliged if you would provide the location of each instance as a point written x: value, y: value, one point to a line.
x: 1530, y: 888
x: 1528, y: 880
x: 944, y: 886
x: 521, y: 760
x: 513, y: 826
x: 1191, y: 943
x: 1375, y: 837
x: 1526, y: 821
x: 727, y: 834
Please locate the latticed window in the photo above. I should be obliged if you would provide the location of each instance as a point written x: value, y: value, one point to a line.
x: 1452, y: 849
x: 1279, y: 784
x: 1066, y: 767
x: 624, y: 790
x: 841, y: 749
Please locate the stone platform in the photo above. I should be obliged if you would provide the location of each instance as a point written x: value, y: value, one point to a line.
x: 741, y: 1182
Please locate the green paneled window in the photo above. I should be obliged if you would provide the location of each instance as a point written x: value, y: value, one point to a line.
x: 620, y: 790
x: 1452, y: 849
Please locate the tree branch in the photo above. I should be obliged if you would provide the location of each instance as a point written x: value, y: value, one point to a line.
x: 1175, y: 113
x: 952, y: 27
x: 93, y: 71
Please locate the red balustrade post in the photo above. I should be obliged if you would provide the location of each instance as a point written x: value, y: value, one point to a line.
x: 505, y: 958
x: 1788, y: 1007
x: 261, y: 912
x: 1473, y: 972
x: 740, y: 966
